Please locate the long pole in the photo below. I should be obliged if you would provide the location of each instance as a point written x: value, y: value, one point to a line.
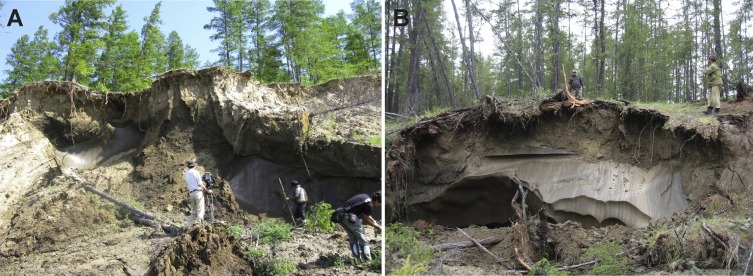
x: 284, y: 195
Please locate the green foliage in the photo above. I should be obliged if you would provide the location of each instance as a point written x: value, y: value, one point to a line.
x: 318, y: 218
x: 125, y: 214
x: 404, y: 239
x: 236, y: 231
x: 548, y: 268
x: 256, y: 252
x: 609, y: 263
x: 410, y: 268
x: 272, y: 230
x: 265, y: 265
x: 375, y: 140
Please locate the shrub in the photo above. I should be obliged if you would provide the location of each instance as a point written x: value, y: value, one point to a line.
x: 547, y: 268
x: 417, y: 254
x: 404, y: 239
x: 256, y: 252
x: 609, y: 263
x: 236, y: 231
x: 410, y: 269
x: 281, y: 267
x: 318, y: 218
x: 272, y: 230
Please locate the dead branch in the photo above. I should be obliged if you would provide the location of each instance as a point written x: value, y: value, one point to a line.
x: 523, y: 196
x: 594, y: 262
x: 500, y: 261
x: 466, y: 244
x: 576, y: 266
x: 521, y: 260
x: 341, y: 108
x: 714, y: 236
x: 144, y: 215
x: 745, y: 272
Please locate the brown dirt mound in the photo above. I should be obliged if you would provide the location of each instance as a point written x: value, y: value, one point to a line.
x: 202, y: 250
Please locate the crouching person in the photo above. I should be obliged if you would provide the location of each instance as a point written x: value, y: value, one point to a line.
x: 352, y: 215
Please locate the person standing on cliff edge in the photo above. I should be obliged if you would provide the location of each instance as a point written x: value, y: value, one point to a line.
x: 713, y: 77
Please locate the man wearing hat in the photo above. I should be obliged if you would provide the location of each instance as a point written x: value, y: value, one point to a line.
x: 196, y: 192
x: 301, y: 198
x: 575, y: 83
x: 713, y: 76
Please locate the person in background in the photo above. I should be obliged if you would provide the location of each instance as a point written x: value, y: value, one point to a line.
x: 301, y: 198
x: 576, y: 84
x: 713, y: 76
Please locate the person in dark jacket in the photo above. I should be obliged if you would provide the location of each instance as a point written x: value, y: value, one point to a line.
x: 576, y: 84
x: 301, y: 199
x: 358, y: 210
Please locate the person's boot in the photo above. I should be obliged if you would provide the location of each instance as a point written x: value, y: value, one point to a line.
x: 716, y: 111
x: 354, y: 250
x: 708, y: 111
x: 366, y: 250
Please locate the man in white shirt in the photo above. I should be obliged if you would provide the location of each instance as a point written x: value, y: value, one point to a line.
x: 196, y: 191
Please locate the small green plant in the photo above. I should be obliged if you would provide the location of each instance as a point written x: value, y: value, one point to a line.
x: 271, y: 231
x: 609, y: 262
x: 375, y: 264
x: 318, y: 218
x: 236, y: 231
x: 545, y: 267
x: 125, y: 214
x: 375, y: 140
x: 401, y: 238
x: 256, y: 252
x: 339, y: 261
x: 281, y: 267
x: 409, y: 268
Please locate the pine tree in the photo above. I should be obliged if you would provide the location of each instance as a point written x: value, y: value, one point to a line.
x: 153, y: 45
x: 106, y: 66
x: 367, y: 23
x: 293, y: 21
x: 19, y: 60
x: 175, y: 51
x: 79, y: 40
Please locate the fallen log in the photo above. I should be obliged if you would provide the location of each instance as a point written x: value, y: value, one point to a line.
x: 142, y: 216
x: 168, y: 228
x: 500, y: 261
x: 466, y: 244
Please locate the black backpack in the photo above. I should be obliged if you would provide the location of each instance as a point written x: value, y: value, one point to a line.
x: 208, y: 178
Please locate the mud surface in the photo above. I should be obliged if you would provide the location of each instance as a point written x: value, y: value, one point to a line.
x: 635, y: 175
x: 134, y: 146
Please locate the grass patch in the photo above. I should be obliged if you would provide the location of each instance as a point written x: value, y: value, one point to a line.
x: 125, y: 214
x: 609, y: 263
x: 318, y: 218
x: 271, y: 231
x: 375, y: 140
x: 263, y: 264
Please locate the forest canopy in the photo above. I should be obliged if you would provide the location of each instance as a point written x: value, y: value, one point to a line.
x: 280, y: 41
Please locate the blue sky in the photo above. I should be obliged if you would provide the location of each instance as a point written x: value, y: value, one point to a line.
x: 185, y: 17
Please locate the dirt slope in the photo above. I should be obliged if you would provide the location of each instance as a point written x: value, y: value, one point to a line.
x: 134, y: 147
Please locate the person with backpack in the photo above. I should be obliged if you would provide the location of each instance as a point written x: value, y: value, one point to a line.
x: 301, y: 199
x: 196, y: 192
x: 352, y: 214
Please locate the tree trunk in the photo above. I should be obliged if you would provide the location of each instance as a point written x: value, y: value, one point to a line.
x: 438, y: 56
x: 602, y: 53
x: 556, y: 47
x: 537, y: 49
x: 718, y: 51
x: 414, y: 93
x: 472, y: 56
x: 466, y: 56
